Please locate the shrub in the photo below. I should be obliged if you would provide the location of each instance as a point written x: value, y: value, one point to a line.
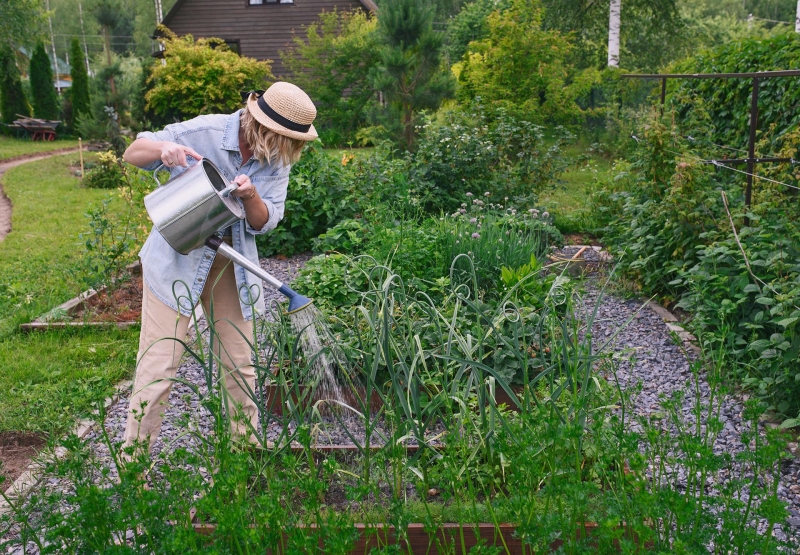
x: 333, y: 63
x: 321, y: 193
x: 472, y: 148
x: 717, y: 111
x: 522, y: 66
x: 201, y: 77
x: 108, y: 173
x: 665, y: 220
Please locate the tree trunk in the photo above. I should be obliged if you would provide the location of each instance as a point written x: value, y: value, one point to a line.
x: 613, y: 33
x: 408, y: 128
x: 107, y: 46
x: 797, y: 19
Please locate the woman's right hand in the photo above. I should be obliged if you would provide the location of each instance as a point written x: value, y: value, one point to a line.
x: 173, y: 154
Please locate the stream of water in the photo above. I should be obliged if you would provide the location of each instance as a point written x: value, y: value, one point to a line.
x: 315, y: 349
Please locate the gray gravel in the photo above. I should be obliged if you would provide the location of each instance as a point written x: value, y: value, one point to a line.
x: 650, y: 355
x: 653, y: 361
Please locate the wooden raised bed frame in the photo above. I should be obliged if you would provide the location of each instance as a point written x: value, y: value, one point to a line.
x: 420, y: 542
x: 73, y: 305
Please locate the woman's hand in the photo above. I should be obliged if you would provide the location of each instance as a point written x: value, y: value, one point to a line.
x: 143, y: 152
x: 245, y: 189
x: 173, y: 154
x: 255, y: 210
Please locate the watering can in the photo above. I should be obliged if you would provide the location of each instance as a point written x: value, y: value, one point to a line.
x: 188, y: 211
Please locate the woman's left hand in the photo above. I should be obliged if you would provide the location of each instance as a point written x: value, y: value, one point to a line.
x: 256, y: 212
x: 245, y: 189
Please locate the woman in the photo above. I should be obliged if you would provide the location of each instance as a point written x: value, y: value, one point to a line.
x: 254, y: 147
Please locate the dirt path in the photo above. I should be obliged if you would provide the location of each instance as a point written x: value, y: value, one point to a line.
x: 5, y: 202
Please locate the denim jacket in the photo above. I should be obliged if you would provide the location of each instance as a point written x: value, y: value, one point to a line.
x: 215, y: 137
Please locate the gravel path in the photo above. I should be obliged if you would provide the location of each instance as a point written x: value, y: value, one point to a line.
x: 659, y: 364
x: 662, y: 368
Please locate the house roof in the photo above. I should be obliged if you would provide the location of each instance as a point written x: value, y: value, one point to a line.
x: 368, y: 5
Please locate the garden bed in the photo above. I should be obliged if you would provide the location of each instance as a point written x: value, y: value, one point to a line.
x: 120, y: 307
x: 16, y: 452
x: 447, y: 538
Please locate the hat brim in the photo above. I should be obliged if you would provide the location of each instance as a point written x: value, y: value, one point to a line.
x: 269, y: 123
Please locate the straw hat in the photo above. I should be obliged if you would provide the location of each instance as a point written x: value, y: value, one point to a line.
x: 285, y: 109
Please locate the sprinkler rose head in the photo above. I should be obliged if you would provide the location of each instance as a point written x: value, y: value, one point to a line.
x: 297, y: 301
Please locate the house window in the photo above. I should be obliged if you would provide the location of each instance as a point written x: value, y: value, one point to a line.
x: 262, y: 2
x: 233, y: 46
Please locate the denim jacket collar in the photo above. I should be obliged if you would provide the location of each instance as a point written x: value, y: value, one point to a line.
x: 230, y: 137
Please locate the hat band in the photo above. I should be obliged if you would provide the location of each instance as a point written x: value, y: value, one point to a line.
x: 276, y: 117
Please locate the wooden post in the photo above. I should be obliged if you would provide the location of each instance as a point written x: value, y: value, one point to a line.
x: 663, y: 93
x: 80, y: 150
x: 751, y: 148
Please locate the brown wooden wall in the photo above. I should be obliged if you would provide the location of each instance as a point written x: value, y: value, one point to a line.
x: 262, y: 31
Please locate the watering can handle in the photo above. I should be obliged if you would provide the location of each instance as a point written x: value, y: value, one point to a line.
x: 160, y: 166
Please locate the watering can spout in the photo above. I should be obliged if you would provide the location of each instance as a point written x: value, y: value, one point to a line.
x: 297, y: 302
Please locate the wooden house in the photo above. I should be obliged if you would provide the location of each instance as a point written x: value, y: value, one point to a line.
x: 255, y: 28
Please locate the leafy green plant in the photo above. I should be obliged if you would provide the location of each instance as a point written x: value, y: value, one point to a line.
x: 322, y: 194
x: 667, y: 219
x: 107, y: 173
x: 338, y: 53
x: 348, y: 236
x: 208, y: 78
x: 328, y: 280
x: 107, y: 245
x: 472, y: 148
x: 494, y: 236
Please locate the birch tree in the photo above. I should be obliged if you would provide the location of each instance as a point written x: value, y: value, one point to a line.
x: 797, y: 19
x: 613, y: 33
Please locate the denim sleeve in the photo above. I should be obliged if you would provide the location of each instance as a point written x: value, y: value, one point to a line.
x: 165, y: 134
x: 272, y: 190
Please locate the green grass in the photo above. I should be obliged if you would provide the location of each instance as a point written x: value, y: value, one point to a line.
x: 10, y: 147
x: 49, y: 378
x: 568, y: 201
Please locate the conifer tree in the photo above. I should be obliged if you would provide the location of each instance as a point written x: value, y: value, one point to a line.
x: 45, y: 99
x: 12, y: 98
x: 410, y: 73
x: 81, y: 103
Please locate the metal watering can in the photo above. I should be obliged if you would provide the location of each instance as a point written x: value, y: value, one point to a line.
x: 189, y: 209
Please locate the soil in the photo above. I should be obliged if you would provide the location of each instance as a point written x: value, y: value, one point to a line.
x: 16, y: 452
x: 123, y: 304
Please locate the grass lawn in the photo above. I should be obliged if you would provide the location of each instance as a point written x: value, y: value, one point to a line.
x: 568, y: 201
x: 47, y: 379
x: 9, y: 147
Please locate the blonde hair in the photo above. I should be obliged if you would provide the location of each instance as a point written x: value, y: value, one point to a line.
x: 267, y: 145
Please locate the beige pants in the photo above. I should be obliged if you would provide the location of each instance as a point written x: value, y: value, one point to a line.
x: 158, y: 358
